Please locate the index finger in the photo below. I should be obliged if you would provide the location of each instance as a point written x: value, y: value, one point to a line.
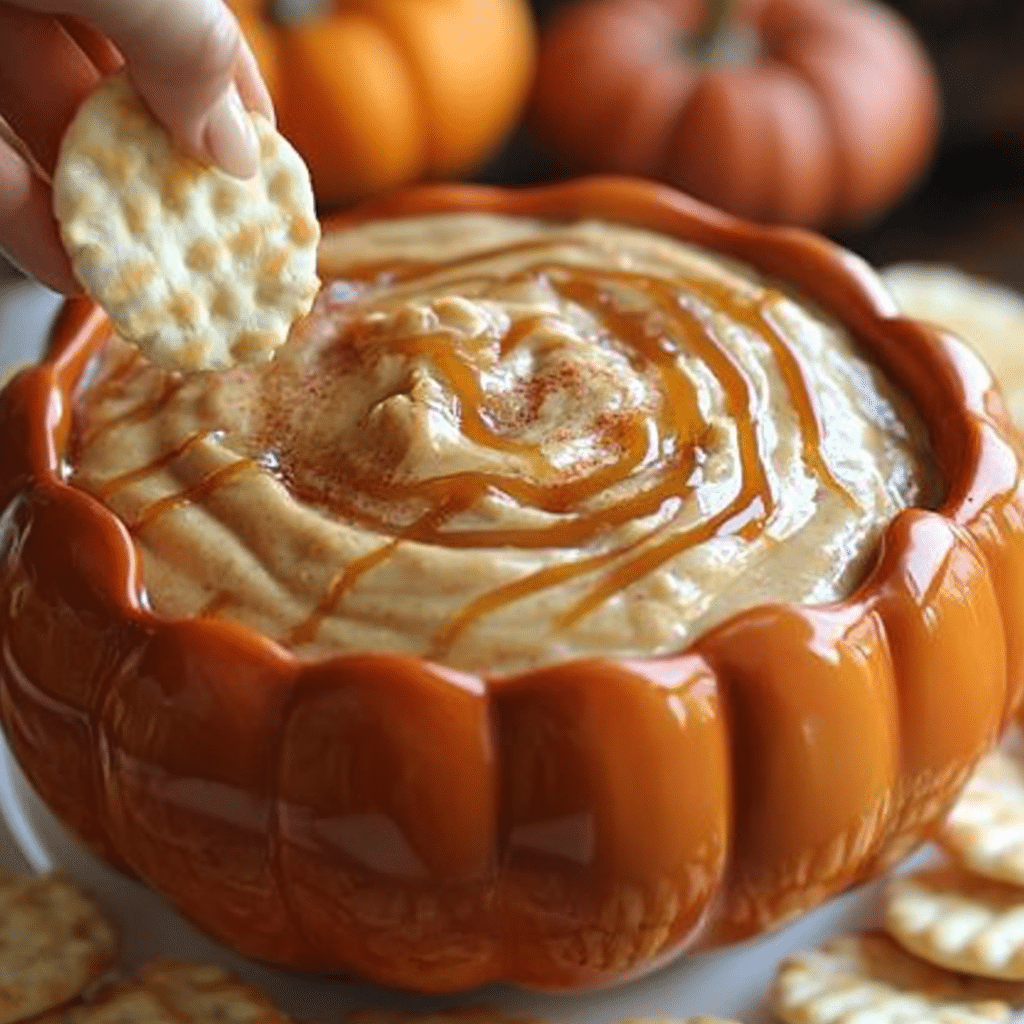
x: 183, y: 56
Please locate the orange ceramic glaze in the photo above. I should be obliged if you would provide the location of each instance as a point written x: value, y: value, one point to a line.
x: 567, y: 827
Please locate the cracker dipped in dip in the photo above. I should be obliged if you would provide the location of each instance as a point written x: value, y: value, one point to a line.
x: 501, y: 442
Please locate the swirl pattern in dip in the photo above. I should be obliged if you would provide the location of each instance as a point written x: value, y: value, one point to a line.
x: 502, y: 443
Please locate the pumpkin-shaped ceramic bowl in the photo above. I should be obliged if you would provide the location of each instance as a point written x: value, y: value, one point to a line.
x: 564, y: 827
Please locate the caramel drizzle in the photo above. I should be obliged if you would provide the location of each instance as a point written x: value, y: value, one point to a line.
x: 745, y: 515
x: 551, y: 576
x: 745, y: 525
x: 587, y: 288
x: 519, y: 330
x: 437, y: 347
x: 203, y: 487
x: 422, y: 529
x: 680, y: 436
x: 794, y: 378
x: 169, y: 387
x: 132, y: 476
x: 662, y: 350
x: 113, y: 380
x: 394, y: 273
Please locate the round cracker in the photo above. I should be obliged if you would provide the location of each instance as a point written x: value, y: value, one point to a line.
x: 869, y: 977
x: 984, y: 832
x: 172, y: 992
x: 701, y: 1019
x: 486, y: 1015
x: 989, y: 316
x: 959, y: 921
x: 200, y: 269
x: 454, y: 1015
x: 54, y: 943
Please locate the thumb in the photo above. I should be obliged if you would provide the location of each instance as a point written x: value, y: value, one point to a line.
x: 184, y: 57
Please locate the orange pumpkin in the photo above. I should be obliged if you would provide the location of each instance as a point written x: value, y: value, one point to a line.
x: 375, y: 93
x: 804, y: 112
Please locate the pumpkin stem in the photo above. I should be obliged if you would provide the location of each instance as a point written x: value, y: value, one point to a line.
x: 720, y: 15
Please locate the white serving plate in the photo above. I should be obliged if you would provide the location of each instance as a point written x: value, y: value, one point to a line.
x: 730, y: 983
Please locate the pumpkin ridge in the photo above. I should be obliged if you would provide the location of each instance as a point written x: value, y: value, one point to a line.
x: 383, y: 19
x: 275, y: 839
x: 862, y: 143
x: 332, y: 118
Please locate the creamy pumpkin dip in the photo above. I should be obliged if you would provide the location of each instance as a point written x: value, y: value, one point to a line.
x: 502, y: 443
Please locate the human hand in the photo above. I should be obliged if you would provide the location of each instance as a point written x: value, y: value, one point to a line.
x: 188, y: 61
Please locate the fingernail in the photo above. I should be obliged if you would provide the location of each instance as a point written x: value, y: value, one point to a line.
x: 229, y: 136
